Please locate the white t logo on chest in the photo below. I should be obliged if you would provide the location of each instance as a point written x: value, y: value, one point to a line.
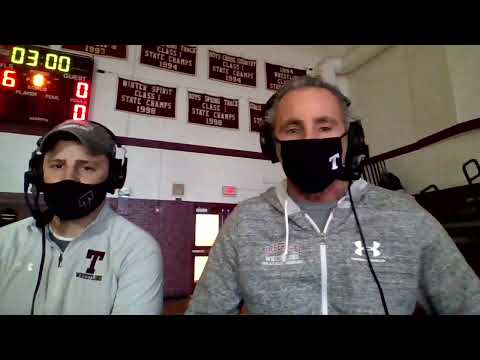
x: 333, y: 160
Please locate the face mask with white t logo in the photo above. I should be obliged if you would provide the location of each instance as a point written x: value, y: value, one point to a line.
x: 312, y: 164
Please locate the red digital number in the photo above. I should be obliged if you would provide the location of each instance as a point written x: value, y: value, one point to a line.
x: 7, y: 80
x: 82, y: 90
x: 79, y: 112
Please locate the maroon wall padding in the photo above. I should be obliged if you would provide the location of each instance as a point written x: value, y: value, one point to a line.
x: 15, y: 201
x: 172, y: 224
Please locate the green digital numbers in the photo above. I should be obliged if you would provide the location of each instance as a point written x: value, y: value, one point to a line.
x: 52, y: 61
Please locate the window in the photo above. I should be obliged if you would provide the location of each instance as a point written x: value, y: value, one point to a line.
x: 206, y: 229
x: 208, y: 220
x: 200, y: 262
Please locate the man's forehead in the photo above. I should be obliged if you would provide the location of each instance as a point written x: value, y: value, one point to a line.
x: 309, y: 94
x: 313, y: 104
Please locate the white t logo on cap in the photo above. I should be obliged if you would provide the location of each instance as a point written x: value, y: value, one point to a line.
x: 333, y: 160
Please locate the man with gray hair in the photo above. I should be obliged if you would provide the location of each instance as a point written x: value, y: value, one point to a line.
x: 324, y: 241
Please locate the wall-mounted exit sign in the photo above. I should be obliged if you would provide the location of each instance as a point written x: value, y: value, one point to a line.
x: 229, y: 190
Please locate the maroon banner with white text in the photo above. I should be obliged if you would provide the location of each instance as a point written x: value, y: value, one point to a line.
x: 232, y: 69
x: 146, y: 99
x: 179, y: 58
x: 256, y: 115
x: 212, y: 110
x: 278, y: 76
x: 116, y: 51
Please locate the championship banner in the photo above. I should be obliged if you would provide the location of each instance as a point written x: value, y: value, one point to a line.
x: 232, y: 69
x: 179, y: 58
x: 278, y: 76
x: 212, y: 110
x: 146, y: 99
x: 256, y: 115
x: 116, y: 51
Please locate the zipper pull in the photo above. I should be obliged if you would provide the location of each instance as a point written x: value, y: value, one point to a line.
x: 60, y: 259
x: 323, y: 239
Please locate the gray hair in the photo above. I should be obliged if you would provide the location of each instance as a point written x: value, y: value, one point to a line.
x: 304, y: 82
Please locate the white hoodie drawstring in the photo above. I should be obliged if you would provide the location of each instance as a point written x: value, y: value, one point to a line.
x: 285, y: 211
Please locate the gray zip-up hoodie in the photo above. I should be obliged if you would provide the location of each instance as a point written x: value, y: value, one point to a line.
x: 113, y: 267
x: 273, y: 257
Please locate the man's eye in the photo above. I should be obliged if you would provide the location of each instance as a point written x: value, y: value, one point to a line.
x: 292, y: 131
x: 325, y: 128
x: 88, y: 168
x: 57, y: 166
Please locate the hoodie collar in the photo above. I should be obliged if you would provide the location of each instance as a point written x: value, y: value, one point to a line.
x: 276, y: 196
x: 358, y: 189
x: 282, y: 195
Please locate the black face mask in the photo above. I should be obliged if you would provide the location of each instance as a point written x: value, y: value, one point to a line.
x: 312, y: 164
x: 71, y: 200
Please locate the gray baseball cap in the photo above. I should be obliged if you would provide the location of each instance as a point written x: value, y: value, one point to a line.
x: 95, y: 137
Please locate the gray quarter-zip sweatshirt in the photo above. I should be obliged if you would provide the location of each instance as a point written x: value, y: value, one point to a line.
x: 113, y: 267
x: 273, y: 256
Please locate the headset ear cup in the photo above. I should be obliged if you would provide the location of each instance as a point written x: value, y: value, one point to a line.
x: 267, y: 143
x: 34, y: 175
x: 117, y: 177
x: 27, y: 179
x: 357, y: 151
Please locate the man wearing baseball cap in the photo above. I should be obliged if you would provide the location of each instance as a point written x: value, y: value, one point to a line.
x: 77, y: 256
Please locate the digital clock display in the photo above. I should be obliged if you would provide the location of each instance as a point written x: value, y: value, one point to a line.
x: 42, y: 86
x: 45, y: 60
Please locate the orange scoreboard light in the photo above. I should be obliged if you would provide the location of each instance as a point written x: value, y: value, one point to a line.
x: 39, y: 85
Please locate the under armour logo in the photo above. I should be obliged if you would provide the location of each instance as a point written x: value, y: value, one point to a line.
x: 333, y: 160
x: 360, y: 249
x: 86, y: 200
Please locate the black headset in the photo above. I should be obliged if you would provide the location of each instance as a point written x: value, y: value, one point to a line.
x: 117, y: 171
x: 357, y: 151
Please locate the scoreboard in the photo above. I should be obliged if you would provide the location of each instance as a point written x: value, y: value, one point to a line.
x: 42, y: 86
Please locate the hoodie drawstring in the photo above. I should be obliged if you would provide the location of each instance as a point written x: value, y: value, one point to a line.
x: 285, y: 211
